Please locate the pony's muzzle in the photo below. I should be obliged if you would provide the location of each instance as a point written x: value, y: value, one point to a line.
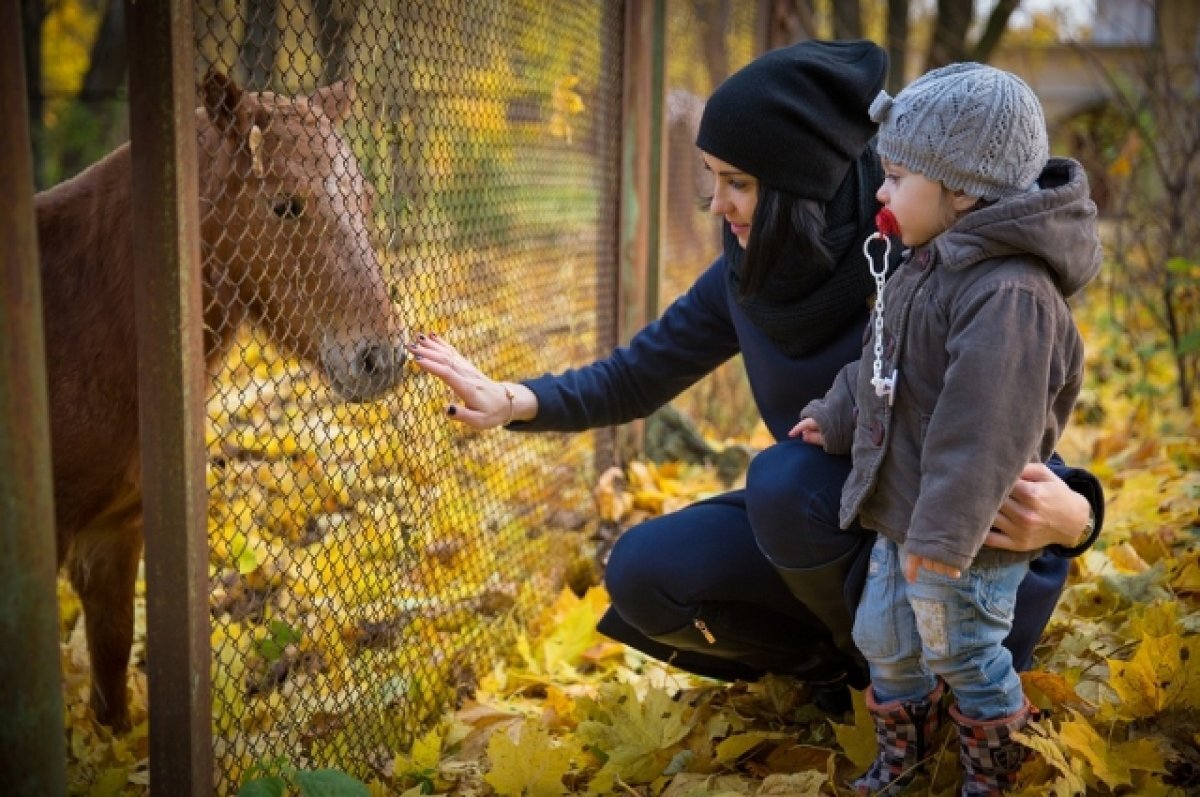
x: 366, y: 371
x: 374, y: 361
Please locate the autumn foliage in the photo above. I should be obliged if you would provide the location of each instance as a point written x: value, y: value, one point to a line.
x: 567, y: 712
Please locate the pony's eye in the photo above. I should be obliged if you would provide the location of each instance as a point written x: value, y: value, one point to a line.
x: 288, y: 207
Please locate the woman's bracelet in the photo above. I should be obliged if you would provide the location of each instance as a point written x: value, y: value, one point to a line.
x: 1086, y: 534
x: 512, y: 406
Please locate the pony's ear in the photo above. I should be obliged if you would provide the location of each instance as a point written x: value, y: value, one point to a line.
x: 222, y: 102
x: 336, y: 100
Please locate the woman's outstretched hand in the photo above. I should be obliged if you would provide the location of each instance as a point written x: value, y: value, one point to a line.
x: 1041, y: 510
x: 483, y: 403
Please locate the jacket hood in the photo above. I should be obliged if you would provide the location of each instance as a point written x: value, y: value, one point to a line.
x: 1056, y: 222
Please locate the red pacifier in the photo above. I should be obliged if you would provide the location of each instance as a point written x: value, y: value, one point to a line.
x: 886, y: 223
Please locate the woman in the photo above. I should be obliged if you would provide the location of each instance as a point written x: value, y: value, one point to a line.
x: 762, y: 579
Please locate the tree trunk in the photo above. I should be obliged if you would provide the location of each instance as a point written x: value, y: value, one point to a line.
x: 332, y: 32
x: 949, y: 42
x: 994, y: 30
x: 99, y: 104
x: 33, y: 14
x: 847, y: 20
x: 790, y: 21
x: 716, y: 14
x: 897, y: 45
x: 260, y: 45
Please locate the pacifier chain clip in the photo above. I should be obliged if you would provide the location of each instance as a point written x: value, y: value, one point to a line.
x: 885, y: 226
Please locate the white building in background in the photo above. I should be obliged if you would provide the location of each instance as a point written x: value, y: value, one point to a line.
x: 1123, y: 22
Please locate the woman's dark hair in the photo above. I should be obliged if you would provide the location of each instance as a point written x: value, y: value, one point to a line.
x: 785, y: 230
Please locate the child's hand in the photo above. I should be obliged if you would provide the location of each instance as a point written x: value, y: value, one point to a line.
x: 913, y: 563
x: 808, y: 431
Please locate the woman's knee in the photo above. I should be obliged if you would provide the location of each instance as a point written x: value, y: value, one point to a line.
x: 630, y: 573
x: 793, y: 494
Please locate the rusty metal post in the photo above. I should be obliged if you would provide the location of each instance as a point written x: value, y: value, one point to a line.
x: 642, y: 206
x: 162, y: 102
x: 32, y: 747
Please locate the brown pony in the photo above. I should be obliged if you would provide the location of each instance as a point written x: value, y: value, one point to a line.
x: 286, y: 246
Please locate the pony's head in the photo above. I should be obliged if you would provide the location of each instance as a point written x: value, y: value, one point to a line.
x: 286, y: 215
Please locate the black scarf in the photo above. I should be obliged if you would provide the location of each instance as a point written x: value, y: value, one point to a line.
x: 802, y: 307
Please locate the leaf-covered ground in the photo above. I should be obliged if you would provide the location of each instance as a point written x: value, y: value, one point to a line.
x: 571, y: 713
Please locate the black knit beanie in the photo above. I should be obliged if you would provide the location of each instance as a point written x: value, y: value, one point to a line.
x: 796, y: 118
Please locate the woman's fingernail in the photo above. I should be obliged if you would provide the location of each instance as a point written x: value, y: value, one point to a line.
x: 417, y: 357
x: 451, y: 410
x: 433, y: 335
x: 420, y: 337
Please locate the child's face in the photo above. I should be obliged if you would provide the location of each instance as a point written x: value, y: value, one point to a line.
x: 734, y: 196
x: 923, y: 208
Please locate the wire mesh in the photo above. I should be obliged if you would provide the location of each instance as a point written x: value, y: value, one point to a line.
x: 390, y: 169
x: 709, y: 39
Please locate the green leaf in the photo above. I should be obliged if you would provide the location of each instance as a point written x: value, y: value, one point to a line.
x: 281, y: 635
x: 247, y: 561
x: 284, y: 633
x: 330, y: 783
x: 263, y: 787
x: 110, y: 783
x: 1179, y: 265
x: 1190, y: 343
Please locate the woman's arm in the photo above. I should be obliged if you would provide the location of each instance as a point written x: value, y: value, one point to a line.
x: 691, y: 338
x: 1050, y: 505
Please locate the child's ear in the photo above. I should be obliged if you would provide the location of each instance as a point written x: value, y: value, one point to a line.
x: 962, y: 202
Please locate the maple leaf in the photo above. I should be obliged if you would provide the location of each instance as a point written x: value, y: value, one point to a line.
x: 731, y: 749
x: 857, y: 740
x: 422, y: 759
x: 1052, y: 686
x: 533, y: 766
x: 1186, y: 575
x: 1162, y: 673
x: 573, y: 630
x: 1156, y: 619
x: 637, y: 736
x: 1110, y: 762
x: 695, y: 784
x: 1043, y: 739
x: 798, y: 783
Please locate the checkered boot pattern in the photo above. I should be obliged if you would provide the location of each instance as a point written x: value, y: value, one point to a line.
x: 990, y: 756
x: 904, y: 733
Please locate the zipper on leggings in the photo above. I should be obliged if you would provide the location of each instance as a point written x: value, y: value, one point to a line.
x: 703, y: 629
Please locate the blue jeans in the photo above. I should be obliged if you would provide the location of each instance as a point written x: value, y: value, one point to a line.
x: 940, y: 626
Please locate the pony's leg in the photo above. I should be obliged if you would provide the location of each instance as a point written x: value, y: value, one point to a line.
x: 103, y: 568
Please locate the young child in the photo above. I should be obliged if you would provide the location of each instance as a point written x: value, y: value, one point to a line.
x: 970, y: 371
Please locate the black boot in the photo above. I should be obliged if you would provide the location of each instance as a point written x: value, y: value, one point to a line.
x: 737, y: 641
x: 833, y: 698
x: 823, y: 592
x: 615, y: 627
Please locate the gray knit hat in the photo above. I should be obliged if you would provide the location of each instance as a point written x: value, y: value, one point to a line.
x: 971, y: 127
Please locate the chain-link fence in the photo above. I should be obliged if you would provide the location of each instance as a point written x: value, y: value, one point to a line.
x: 421, y: 166
x: 709, y: 39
